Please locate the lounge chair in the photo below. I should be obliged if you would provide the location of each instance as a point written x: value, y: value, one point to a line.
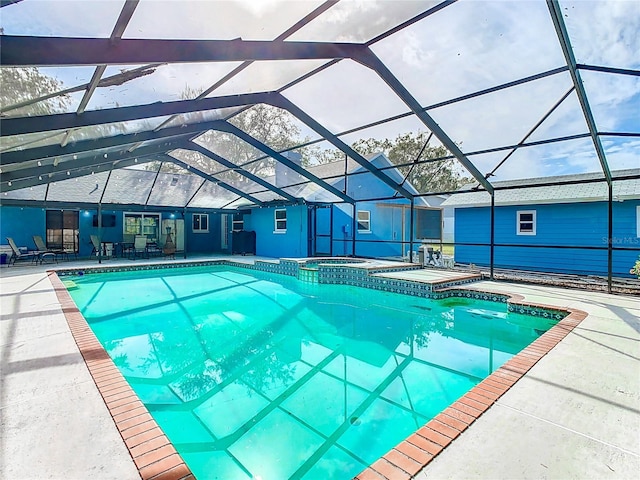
x: 44, y: 252
x: 140, y: 247
x: 17, y: 255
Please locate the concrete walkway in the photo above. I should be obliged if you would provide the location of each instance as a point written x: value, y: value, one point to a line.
x: 54, y: 423
x: 574, y: 415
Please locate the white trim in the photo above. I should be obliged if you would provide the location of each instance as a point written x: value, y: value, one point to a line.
x: 638, y: 221
x: 142, y: 216
x: 519, y: 222
x: 367, y: 220
x: 200, y: 230
x: 276, y: 220
x: 224, y: 231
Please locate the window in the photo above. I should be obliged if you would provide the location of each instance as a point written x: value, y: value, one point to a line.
x: 526, y: 222
x: 638, y: 221
x: 237, y: 225
x: 62, y: 230
x: 147, y: 224
x: 200, y: 223
x: 364, y: 221
x: 280, y: 221
x: 428, y: 224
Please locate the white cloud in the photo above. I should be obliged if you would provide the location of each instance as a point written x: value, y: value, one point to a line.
x: 603, y: 32
x: 465, y: 47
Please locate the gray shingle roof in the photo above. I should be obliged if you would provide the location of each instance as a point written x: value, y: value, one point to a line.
x: 577, y: 192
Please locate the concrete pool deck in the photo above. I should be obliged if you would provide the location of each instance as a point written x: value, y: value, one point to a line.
x: 575, y: 414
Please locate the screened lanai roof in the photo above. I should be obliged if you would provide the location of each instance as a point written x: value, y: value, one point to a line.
x: 502, y: 91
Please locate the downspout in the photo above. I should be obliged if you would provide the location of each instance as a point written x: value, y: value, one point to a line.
x: 311, y: 217
x: 331, y: 230
x: 184, y: 233
x: 492, y: 233
x: 610, y: 242
x: 100, y: 231
x: 410, y: 231
x: 354, y: 227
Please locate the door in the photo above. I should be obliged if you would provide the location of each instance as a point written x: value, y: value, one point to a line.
x: 224, y: 231
x: 177, y: 232
x: 320, y: 230
x: 62, y: 230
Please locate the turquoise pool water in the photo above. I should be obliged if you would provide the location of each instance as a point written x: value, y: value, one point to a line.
x: 257, y: 376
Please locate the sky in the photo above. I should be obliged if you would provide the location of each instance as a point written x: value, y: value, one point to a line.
x: 461, y: 49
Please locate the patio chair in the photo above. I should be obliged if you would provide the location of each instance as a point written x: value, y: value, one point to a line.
x: 140, y: 247
x: 44, y: 252
x: 97, y: 246
x: 153, y: 249
x: 17, y: 255
x: 434, y: 257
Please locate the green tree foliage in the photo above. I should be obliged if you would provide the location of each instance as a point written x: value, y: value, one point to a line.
x: 270, y: 125
x: 277, y: 129
x: 23, y: 84
x: 417, y: 160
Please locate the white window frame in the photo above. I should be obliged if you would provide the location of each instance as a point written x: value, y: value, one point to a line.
x: 277, y: 222
x: 366, y: 221
x: 519, y: 222
x: 142, y: 229
x: 638, y: 221
x: 200, y: 230
x: 224, y: 231
x: 237, y: 225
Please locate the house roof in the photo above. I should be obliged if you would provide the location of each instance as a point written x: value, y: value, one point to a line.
x: 341, y: 72
x: 563, y: 189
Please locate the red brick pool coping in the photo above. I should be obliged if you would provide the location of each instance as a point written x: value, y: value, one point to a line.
x: 156, y: 458
x: 151, y: 451
x: 411, y: 455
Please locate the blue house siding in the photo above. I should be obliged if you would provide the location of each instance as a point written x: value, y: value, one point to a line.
x: 571, y: 224
x: 203, y: 242
x: 386, y: 235
x: 86, y: 229
x: 292, y: 243
x: 21, y: 224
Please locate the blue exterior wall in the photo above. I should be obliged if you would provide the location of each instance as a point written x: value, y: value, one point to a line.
x: 571, y: 224
x: 342, y: 230
x: 209, y: 242
x: 86, y: 229
x: 390, y: 224
x: 21, y: 224
x: 291, y: 244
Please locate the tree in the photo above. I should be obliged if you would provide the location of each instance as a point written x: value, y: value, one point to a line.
x: 22, y: 84
x: 428, y: 176
x: 276, y: 128
x: 269, y: 125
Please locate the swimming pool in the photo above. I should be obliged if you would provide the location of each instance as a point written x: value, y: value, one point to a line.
x: 261, y: 376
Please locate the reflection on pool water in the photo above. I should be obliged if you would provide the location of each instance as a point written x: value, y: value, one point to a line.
x: 253, y: 375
